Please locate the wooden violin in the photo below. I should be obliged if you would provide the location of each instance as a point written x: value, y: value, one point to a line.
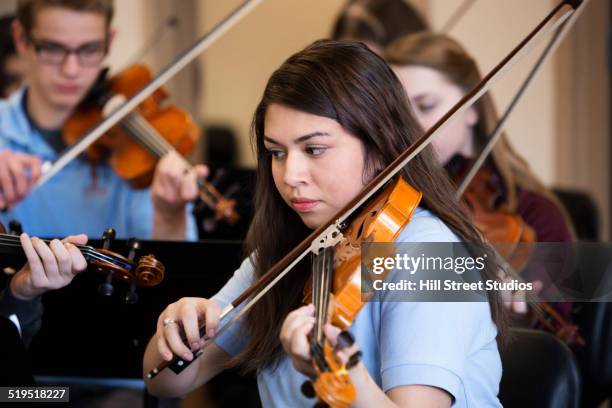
x: 144, y: 272
x: 135, y: 145
x: 513, y: 238
x: 335, y: 284
x: 505, y: 230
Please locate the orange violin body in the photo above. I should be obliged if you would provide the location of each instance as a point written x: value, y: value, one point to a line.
x: 121, y: 146
x: 380, y: 221
x: 503, y: 229
x: 511, y: 236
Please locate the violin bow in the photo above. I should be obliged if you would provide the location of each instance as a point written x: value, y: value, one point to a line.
x: 49, y: 170
x: 329, y: 233
x: 457, y: 15
x: 494, y: 137
x: 532, y: 299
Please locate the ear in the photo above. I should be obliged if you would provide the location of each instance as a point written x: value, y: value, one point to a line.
x: 19, y: 37
x: 471, y: 116
x: 112, y: 36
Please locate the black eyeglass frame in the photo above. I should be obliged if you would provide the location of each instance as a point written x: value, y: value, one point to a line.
x: 41, y: 46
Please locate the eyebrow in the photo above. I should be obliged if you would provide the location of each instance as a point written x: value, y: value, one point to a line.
x: 299, y: 139
x: 59, y: 44
x: 420, y: 96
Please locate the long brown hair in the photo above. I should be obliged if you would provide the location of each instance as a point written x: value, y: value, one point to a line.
x: 346, y: 82
x: 448, y: 57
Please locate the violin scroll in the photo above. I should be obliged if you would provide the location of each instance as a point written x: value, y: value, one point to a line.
x: 147, y: 272
x: 333, y: 385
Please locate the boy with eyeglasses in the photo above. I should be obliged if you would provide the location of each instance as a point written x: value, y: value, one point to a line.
x: 64, y: 43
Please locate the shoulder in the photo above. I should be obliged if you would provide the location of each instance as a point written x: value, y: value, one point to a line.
x: 426, y: 227
x: 455, y: 348
x: 243, y: 278
x: 14, y: 128
x: 544, y: 216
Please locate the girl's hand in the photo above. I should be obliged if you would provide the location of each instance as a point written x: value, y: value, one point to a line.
x: 294, y: 338
x: 295, y: 341
x: 185, y: 316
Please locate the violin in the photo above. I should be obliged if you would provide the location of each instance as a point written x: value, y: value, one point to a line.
x: 135, y: 145
x: 512, y: 238
x: 335, y: 285
x: 505, y: 230
x: 144, y: 272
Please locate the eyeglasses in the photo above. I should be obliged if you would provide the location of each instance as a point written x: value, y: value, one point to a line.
x: 88, y: 55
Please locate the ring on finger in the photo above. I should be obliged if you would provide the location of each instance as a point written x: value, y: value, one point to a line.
x: 168, y: 321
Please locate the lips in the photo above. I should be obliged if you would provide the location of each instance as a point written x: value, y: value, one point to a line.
x: 303, y: 204
x: 69, y: 89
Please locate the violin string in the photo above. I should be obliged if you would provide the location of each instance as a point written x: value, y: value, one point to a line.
x: 497, y: 132
x: 149, y: 137
x: 139, y: 133
x: 316, y: 294
x: 14, y: 242
x: 326, y: 275
x: 152, y: 137
x: 323, y: 296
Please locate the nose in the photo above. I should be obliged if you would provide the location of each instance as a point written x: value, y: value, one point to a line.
x: 295, y: 169
x: 71, y: 65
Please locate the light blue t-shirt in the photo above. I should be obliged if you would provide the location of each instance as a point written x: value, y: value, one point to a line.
x: 446, y: 345
x: 74, y: 201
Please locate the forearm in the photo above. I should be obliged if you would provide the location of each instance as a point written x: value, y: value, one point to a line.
x: 369, y: 394
x: 170, y: 226
x: 168, y: 384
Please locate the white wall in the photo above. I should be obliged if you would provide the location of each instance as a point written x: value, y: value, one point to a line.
x: 235, y: 69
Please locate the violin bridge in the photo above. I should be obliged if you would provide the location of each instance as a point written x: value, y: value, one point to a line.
x: 328, y: 238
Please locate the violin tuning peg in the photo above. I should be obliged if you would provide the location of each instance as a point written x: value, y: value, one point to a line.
x: 106, y: 288
x: 109, y: 233
x: 345, y: 340
x: 15, y: 228
x: 218, y: 177
x: 354, y: 360
x: 308, y: 390
x: 131, y: 296
x: 231, y: 190
x: 209, y: 224
x: 108, y: 237
x: 133, y: 245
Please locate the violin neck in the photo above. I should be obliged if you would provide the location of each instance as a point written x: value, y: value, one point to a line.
x: 11, y: 245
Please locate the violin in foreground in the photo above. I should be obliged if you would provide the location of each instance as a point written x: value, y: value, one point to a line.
x: 145, y: 271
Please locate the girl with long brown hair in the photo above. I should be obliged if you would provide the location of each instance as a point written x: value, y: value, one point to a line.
x: 331, y: 117
x: 436, y: 72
